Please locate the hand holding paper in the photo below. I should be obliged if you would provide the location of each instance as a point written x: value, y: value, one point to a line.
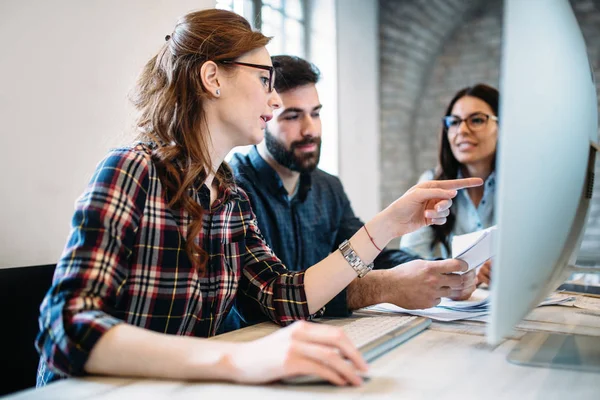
x: 474, y: 248
x: 484, y: 273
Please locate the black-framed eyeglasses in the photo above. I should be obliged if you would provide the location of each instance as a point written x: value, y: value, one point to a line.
x: 269, y: 68
x: 475, y: 122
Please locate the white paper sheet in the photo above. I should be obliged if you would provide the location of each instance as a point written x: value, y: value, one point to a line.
x: 474, y: 248
x: 475, y: 308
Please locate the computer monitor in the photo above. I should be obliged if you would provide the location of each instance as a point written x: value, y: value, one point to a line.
x: 548, y: 129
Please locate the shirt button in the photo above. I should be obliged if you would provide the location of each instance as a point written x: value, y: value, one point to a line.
x: 482, y: 201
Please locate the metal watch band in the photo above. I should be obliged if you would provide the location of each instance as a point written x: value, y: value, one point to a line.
x: 354, y: 260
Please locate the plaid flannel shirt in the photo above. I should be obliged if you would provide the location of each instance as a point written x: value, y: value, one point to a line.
x: 125, y: 261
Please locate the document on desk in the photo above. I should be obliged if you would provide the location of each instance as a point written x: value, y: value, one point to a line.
x: 448, y: 309
x: 474, y: 248
x: 435, y: 313
x: 477, y: 307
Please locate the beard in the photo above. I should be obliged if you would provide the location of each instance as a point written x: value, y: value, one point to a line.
x: 306, y: 162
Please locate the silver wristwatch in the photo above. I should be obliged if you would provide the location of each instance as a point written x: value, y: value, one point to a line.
x: 354, y: 260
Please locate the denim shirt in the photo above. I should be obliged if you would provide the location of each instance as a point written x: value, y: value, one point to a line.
x: 304, y: 228
x: 468, y: 219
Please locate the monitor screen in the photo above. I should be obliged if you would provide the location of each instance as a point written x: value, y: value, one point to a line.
x: 548, y: 109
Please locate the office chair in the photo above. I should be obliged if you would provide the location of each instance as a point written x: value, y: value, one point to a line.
x: 21, y: 293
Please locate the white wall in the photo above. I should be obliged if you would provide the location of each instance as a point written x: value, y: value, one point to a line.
x: 66, y: 67
x: 358, y: 103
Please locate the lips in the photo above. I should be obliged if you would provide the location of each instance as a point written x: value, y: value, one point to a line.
x: 465, y: 145
x: 264, y: 119
x: 307, y: 147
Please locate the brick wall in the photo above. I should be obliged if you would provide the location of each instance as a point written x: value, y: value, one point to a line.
x: 429, y: 49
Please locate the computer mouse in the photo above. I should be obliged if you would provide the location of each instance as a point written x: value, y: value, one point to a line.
x: 310, y: 380
x: 304, y: 380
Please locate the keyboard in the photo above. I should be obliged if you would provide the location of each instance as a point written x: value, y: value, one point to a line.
x: 372, y: 335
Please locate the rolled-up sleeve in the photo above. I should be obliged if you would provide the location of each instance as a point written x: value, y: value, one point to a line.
x: 80, y: 306
x: 268, y: 285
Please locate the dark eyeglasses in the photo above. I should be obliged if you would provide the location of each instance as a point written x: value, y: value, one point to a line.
x: 259, y: 66
x: 475, y: 122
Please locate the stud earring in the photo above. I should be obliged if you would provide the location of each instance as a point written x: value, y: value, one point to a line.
x: 218, y: 92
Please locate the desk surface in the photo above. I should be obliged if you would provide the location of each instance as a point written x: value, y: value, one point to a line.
x: 447, y: 361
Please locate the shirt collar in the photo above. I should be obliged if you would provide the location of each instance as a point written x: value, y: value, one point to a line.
x: 271, y: 179
x: 491, y: 180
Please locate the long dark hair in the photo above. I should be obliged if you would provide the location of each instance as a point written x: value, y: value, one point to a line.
x: 168, y: 97
x: 448, y: 165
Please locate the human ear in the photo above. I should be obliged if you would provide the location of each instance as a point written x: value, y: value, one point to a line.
x: 210, y: 74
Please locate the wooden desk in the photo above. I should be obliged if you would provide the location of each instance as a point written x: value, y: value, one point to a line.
x: 441, y: 363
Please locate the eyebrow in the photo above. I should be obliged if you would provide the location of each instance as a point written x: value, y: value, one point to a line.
x: 300, y: 110
x: 470, y: 115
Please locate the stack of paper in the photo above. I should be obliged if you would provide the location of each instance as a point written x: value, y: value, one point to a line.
x: 476, y: 307
x: 447, y: 310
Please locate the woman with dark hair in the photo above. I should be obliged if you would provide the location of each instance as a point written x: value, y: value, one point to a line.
x: 162, y: 240
x: 467, y: 149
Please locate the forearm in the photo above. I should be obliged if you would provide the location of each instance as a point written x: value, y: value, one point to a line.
x: 328, y: 277
x: 367, y: 291
x: 126, y: 350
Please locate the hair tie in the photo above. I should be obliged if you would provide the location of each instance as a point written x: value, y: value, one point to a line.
x: 167, y: 38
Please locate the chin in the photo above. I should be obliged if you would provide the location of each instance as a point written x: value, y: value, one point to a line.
x: 253, y: 138
x: 464, y: 159
x: 258, y: 136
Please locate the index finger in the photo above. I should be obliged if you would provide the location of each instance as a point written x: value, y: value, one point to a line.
x: 454, y: 183
x: 448, y: 266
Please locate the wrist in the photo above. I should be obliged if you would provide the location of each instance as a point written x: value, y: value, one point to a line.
x: 367, y: 291
x: 383, y: 291
x: 381, y: 229
x: 215, y: 362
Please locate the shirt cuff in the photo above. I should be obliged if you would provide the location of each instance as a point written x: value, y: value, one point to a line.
x: 65, y: 344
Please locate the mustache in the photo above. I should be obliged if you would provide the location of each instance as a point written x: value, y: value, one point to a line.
x: 308, y: 140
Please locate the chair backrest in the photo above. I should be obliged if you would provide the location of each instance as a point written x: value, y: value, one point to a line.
x: 21, y: 293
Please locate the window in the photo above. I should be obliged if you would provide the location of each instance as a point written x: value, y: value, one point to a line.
x: 283, y: 20
x: 245, y: 8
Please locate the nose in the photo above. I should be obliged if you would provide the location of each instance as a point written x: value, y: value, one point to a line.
x: 309, y: 127
x: 274, y: 100
x: 463, y: 127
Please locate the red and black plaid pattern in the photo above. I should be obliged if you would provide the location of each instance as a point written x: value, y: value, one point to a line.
x: 125, y: 261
